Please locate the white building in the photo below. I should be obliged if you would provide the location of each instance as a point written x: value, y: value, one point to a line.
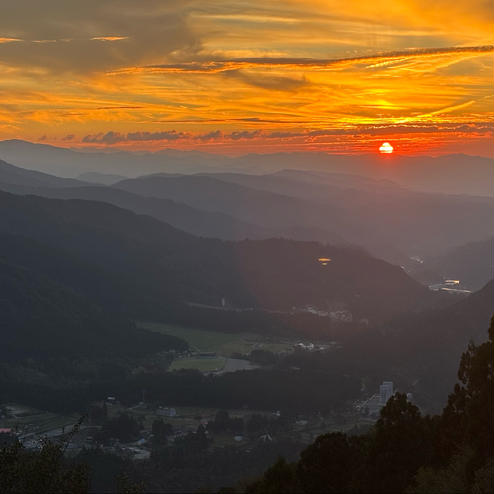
x: 385, y: 392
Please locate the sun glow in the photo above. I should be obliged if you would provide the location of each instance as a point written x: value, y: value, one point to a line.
x: 276, y: 77
x: 386, y: 148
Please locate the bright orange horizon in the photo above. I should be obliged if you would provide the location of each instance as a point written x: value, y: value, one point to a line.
x: 234, y: 76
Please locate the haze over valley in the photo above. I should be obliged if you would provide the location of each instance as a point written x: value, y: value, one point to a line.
x: 246, y: 247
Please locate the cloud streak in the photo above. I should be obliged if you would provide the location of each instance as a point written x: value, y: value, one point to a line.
x: 9, y: 40
x: 246, y: 75
x: 114, y: 137
x: 215, y: 66
x: 109, y: 38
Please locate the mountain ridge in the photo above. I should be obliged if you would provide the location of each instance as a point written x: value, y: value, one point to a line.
x: 455, y: 173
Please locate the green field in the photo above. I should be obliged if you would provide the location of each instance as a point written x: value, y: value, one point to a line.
x: 223, y: 344
x: 28, y: 419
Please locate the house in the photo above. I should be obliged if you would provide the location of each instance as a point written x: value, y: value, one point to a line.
x: 166, y: 412
x: 266, y: 438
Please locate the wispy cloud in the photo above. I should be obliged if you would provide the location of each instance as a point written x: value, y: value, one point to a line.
x: 213, y: 66
x: 247, y: 74
x: 9, y: 40
x: 109, y: 38
x: 114, y: 137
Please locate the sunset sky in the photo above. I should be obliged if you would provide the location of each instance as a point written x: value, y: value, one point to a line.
x: 233, y: 76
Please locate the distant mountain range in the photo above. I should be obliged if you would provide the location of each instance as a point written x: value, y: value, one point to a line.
x: 388, y: 220
x: 452, y: 174
x: 72, y: 163
x: 100, y: 178
x: 379, y: 216
x: 13, y: 175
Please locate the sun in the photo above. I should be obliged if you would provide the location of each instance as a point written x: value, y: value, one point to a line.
x: 386, y: 148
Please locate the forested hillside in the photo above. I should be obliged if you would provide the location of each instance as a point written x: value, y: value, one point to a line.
x: 148, y: 268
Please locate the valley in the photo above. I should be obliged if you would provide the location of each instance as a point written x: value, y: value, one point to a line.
x: 227, y: 318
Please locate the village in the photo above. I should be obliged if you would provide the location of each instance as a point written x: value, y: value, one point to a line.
x: 136, y: 432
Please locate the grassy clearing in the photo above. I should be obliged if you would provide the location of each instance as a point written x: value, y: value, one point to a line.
x: 200, y: 364
x: 32, y: 420
x: 222, y: 343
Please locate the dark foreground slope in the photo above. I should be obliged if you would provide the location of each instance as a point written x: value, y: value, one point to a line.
x: 428, y: 346
x: 405, y: 452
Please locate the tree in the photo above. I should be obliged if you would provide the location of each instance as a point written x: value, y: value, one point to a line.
x: 328, y: 465
x: 43, y: 472
x: 467, y: 418
x: 161, y: 430
x: 125, y: 428
x: 402, y: 443
x: 256, y: 423
x: 98, y: 414
x: 221, y: 420
x: 281, y: 478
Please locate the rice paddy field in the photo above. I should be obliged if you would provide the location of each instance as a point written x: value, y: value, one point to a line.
x: 26, y: 420
x: 223, y: 344
x: 200, y: 364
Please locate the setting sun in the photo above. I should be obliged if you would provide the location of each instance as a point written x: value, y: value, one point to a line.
x: 386, y: 148
x: 174, y: 175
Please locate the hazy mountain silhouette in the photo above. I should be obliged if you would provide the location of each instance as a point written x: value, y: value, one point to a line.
x: 204, y: 192
x: 71, y: 163
x: 387, y: 219
x: 457, y: 174
x: 101, y: 178
x: 452, y: 174
x: 309, y: 184
x: 383, y: 219
x: 13, y: 175
x: 193, y: 220
x: 472, y: 263
x: 182, y: 216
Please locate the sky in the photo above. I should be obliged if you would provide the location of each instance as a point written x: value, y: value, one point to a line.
x: 240, y: 76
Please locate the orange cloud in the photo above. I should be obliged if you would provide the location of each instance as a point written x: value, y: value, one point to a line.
x: 109, y: 38
x: 216, y: 66
x: 9, y: 40
x: 236, y: 76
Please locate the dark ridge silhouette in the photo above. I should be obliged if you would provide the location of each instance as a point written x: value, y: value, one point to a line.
x: 43, y: 319
x: 146, y: 265
x: 13, y: 175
